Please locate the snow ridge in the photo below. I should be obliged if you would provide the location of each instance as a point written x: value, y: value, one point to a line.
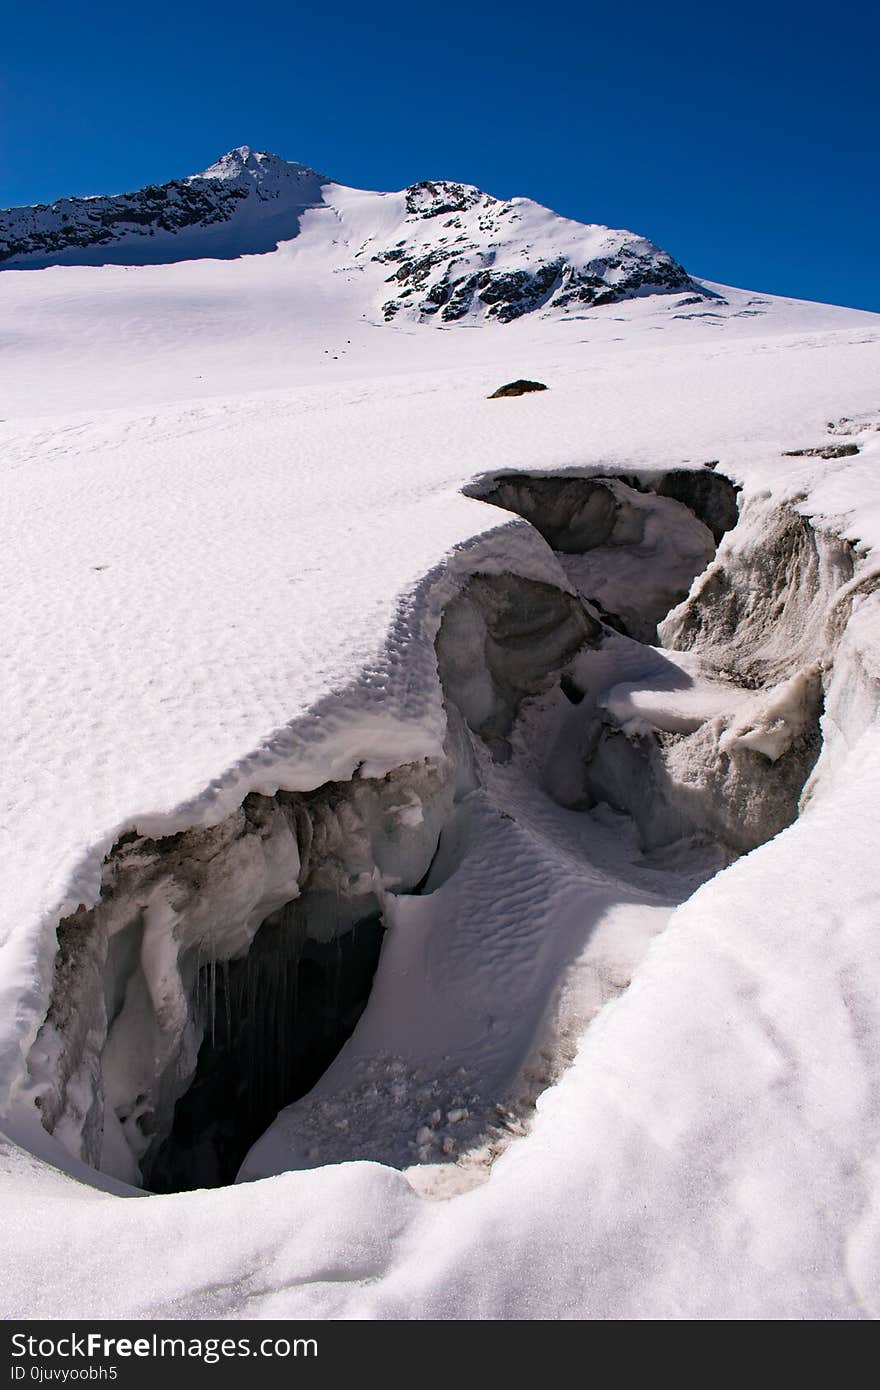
x: 244, y: 192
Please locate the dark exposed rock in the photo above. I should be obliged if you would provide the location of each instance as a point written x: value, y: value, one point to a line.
x: 429, y: 199
x: 82, y: 222
x: 517, y: 388
x: 826, y: 451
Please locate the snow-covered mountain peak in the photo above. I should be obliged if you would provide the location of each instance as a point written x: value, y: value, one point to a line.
x: 244, y: 204
x: 259, y: 168
x: 235, y: 162
x: 461, y: 253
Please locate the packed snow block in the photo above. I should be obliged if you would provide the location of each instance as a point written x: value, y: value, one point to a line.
x: 824, y: 451
x: 502, y: 639
x: 553, y: 503
x: 737, y: 784
x: 353, y: 836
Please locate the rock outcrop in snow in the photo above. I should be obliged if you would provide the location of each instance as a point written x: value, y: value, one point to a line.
x: 459, y: 249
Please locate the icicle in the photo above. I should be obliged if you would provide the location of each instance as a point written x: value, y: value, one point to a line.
x: 198, y: 986
x: 212, y: 985
x: 267, y: 1038
x: 227, y: 1004
x: 336, y: 980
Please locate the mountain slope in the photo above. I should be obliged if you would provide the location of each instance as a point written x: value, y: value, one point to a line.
x: 448, y: 251
x: 242, y: 204
x: 463, y: 250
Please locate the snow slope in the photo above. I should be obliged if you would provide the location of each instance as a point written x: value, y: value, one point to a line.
x: 232, y: 511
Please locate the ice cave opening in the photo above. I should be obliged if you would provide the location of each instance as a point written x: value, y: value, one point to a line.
x: 223, y: 969
x: 274, y: 1020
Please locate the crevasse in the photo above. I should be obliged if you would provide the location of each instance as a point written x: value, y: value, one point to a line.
x: 223, y: 969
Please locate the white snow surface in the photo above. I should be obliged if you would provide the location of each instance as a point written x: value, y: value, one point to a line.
x: 231, y: 511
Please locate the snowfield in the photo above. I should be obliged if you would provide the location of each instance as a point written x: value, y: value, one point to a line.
x: 621, y: 1056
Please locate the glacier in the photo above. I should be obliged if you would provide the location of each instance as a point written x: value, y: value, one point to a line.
x: 534, y: 738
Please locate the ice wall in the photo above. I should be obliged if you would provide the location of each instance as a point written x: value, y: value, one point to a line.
x: 143, y: 977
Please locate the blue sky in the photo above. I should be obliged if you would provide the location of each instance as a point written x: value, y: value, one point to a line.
x: 744, y: 140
